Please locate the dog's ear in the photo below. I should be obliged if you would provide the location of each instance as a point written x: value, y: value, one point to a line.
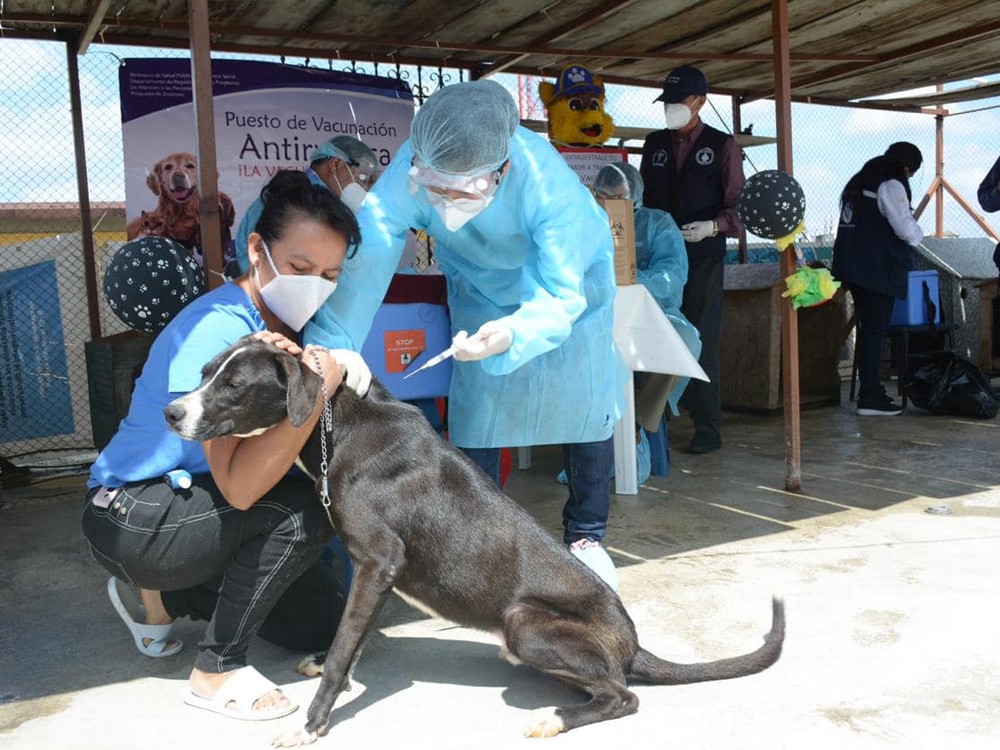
x: 153, y: 180
x: 302, y: 387
x: 546, y: 89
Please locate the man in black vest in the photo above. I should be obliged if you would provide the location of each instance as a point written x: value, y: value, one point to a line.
x: 695, y: 173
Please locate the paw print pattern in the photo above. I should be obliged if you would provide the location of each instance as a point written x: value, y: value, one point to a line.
x: 149, y: 280
x: 771, y: 204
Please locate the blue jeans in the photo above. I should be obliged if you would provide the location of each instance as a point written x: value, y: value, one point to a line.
x: 245, y: 571
x: 589, y: 467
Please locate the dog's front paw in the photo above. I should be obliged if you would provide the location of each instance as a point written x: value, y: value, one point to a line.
x: 545, y: 723
x: 311, y: 666
x: 294, y: 738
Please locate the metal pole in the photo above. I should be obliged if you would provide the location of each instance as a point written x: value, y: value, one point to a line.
x: 789, y: 317
x: 737, y: 128
x: 204, y: 119
x: 939, y: 172
x: 83, y: 193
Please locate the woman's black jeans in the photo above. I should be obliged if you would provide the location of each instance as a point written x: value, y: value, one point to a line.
x: 244, y: 571
x: 872, y: 311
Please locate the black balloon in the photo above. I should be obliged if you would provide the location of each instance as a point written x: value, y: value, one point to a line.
x: 771, y: 204
x: 149, y: 280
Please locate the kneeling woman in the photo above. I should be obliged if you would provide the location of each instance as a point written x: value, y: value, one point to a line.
x: 240, y: 547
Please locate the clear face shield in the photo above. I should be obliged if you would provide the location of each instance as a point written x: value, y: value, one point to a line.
x: 439, y: 188
x: 457, y: 199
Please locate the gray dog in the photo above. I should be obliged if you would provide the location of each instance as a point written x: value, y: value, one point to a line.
x: 417, y: 515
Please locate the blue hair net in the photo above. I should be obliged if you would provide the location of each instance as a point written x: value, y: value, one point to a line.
x: 349, y: 150
x: 465, y: 129
x: 612, y: 177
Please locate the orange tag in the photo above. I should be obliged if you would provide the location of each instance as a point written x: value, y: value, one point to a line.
x: 402, y: 347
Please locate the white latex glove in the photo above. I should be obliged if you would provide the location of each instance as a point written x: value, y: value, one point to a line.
x: 357, y: 376
x: 492, y: 338
x: 697, y: 231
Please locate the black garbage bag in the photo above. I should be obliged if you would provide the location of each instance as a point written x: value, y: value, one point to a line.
x: 944, y: 382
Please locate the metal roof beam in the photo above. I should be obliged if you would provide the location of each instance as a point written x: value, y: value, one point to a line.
x: 349, y: 39
x: 93, y: 24
x: 598, y: 14
x: 945, y: 40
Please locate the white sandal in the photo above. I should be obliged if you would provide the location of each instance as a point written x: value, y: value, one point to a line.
x: 133, y: 614
x: 244, y: 688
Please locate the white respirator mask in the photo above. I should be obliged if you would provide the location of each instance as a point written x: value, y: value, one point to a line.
x: 294, y: 299
x: 457, y: 212
x: 676, y: 115
x: 353, y: 196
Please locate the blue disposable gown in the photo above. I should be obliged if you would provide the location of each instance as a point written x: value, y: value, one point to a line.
x: 662, y: 264
x: 540, y: 259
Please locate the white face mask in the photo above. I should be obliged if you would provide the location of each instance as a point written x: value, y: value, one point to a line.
x: 353, y: 196
x: 676, y: 115
x: 294, y: 299
x: 457, y: 212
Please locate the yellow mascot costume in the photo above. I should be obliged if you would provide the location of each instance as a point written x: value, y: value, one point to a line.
x: 575, y: 108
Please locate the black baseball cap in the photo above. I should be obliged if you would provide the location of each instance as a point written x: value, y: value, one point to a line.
x: 681, y: 83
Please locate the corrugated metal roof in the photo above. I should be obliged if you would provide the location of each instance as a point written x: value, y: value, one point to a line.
x: 842, y: 50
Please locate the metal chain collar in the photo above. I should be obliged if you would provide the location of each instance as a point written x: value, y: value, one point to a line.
x: 325, y: 428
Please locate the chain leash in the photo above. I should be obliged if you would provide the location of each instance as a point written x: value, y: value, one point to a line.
x: 325, y: 428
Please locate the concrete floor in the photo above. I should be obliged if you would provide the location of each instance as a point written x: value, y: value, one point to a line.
x: 892, y: 611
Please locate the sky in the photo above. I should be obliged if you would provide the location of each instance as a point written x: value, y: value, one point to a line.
x: 830, y: 143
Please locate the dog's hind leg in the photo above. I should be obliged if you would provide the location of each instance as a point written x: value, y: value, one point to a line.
x: 573, y: 652
x: 374, y: 576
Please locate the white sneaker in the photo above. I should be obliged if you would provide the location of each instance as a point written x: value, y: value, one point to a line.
x: 594, y: 556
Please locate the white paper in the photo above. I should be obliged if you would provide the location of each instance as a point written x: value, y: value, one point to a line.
x: 646, y: 339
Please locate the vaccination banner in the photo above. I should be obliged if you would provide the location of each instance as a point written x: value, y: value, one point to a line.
x: 34, y: 380
x: 268, y: 117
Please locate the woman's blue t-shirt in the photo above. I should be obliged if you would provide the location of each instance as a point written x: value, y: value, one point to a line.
x: 144, y: 448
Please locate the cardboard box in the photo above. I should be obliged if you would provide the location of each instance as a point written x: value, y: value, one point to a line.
x: 622, y: 220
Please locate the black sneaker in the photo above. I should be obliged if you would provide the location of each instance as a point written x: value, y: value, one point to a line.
x: 883, y: 408
x: 704, y: 443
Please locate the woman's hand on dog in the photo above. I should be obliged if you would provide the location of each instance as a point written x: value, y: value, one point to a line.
x: 320, y: 361
x: 279, y: 340
x: 336, y: 366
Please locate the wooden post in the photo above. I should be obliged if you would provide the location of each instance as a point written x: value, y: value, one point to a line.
x: 789, y: 317
x: 83, y: 193
x: 204, y: 120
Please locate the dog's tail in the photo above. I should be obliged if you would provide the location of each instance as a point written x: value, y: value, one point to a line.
x: 650, y: 668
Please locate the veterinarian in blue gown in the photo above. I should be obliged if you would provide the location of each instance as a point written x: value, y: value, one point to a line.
x: 660, y: 257
x: 343, y: 165
x: 527, y: 254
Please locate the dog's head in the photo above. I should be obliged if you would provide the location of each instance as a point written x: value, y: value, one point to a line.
x: 175, y: 178
x: 246, y: 389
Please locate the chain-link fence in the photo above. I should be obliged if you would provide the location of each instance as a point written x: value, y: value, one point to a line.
x: 43, y: 302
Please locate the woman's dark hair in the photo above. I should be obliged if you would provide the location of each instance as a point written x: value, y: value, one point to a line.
x: 889, y: 166
x: 291, y: 196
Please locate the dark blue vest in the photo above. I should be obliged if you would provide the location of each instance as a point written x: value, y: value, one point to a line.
x: 692, y: 191
x: 867, y: 252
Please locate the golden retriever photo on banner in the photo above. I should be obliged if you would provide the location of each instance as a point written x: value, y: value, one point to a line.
x: 174, y: 181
